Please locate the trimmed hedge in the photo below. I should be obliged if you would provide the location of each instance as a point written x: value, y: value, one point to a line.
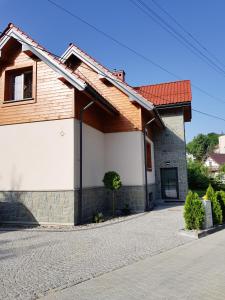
x: 216, y: 208
x: 220, y: 196
x: 194, y: 213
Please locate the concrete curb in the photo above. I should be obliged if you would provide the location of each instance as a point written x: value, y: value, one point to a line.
x: 197, y: 234
x: 75, y: 228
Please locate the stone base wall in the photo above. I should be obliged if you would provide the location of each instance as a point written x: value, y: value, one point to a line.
x: 37, y: 207
x: 61, y: 207
x: 134, y: 196
x: 95, y: 199
x: 170, y: 152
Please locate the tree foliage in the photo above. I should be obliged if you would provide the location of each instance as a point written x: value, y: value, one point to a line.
x: 198, y: 177
x: 222, y: 168
x: 194, y: 213
x: 216, y: 208
x: 202, y: 145
x: 220, y: 196
x: 112, y: 182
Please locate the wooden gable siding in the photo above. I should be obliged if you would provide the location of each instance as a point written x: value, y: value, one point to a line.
x: 130, y: 114
x: 94, y: 116
x: 53, y: 99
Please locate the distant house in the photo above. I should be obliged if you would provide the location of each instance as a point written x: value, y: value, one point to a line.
x: 42, y: 179
x: 214, y: 161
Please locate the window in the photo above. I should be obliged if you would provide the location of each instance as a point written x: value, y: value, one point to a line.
x: 149, y: 156
x: 19, y: 84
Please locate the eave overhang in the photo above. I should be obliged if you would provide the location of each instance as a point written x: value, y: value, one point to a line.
x: 43, y: 55
x: 104, y: 73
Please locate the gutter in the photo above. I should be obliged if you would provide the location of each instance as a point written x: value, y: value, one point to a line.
x: 94, y: 94
x: 145, y: 160
x: 182, y: 104
x: 155, y: 110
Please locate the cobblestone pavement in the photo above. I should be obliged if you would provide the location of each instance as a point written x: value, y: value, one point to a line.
x: 194, y: 271
x: 34, y: 263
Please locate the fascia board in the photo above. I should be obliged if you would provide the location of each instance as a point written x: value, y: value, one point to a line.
x: 132, y: 96
x: 45, y: 58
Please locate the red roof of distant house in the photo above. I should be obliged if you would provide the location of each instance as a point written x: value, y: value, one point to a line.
x: 218, y: 158
x: 167, y: 93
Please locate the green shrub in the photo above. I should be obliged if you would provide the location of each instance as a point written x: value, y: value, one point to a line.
x: 216, y: 208
x: 98, y: 217
x: 220, y: 196
x: 126, y: 210
x: 194, y: 213
x: 198, y: 177
x: 210, y: 193
x: 112, y: 182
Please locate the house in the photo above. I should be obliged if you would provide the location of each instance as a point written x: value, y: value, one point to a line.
x: 65, y: 121
x: 214, y: 161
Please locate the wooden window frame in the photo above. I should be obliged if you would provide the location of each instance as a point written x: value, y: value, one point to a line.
x: 149, y: 156
x: 16, y: 68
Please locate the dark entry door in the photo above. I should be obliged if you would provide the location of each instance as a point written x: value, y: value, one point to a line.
x: 169, y: 183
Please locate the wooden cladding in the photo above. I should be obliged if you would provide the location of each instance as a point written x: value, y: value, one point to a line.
x: 130, y: 114
x: 53, y: 99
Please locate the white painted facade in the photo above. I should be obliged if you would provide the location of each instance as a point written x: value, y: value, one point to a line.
x: 210, y: 163
x: 37, y: 156
x: 151, y: 175
x: 222, y: 144
x: 124, y: 154
x: 93, y: 156
x: 44, y: 156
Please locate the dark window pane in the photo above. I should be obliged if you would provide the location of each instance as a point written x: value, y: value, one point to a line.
x: 27, y: 87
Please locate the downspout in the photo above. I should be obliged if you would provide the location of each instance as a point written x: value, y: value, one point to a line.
x: 80, y: 202
x: 145, y: 158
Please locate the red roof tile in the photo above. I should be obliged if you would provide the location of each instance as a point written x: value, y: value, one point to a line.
x: 218, y: 158
x: 167, y: 93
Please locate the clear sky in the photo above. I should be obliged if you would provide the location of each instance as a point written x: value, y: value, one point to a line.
x: 55, y: 29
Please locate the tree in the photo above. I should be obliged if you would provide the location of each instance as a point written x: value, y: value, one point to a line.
x: 194, y: 213
x: 222, y: 168
x: 202, y: 145
x: 112, y: 182
x: 198, y: 177
x: 216, y: 208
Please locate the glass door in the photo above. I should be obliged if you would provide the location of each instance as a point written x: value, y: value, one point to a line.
x: 169, y: 183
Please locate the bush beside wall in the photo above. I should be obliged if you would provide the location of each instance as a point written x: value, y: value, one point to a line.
x: 220, y: 196
x: 194, y: 213
x: 216, y: 208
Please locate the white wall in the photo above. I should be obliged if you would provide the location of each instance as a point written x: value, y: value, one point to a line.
x: 151, y: 175
x: 93, y: 156
x: 37, y: 156
x: 222, y: 144
x: 211, y: 163
x: 40, y: 156
x: 124, y: 153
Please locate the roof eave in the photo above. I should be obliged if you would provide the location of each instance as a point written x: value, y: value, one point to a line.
x: 133, y: 95
x: 11, y: 33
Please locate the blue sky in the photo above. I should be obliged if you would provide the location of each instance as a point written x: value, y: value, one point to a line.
x: 54, y: 29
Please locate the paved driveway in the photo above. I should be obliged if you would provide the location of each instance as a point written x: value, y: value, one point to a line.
x: 33, y: 263
x: 195, y: 271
